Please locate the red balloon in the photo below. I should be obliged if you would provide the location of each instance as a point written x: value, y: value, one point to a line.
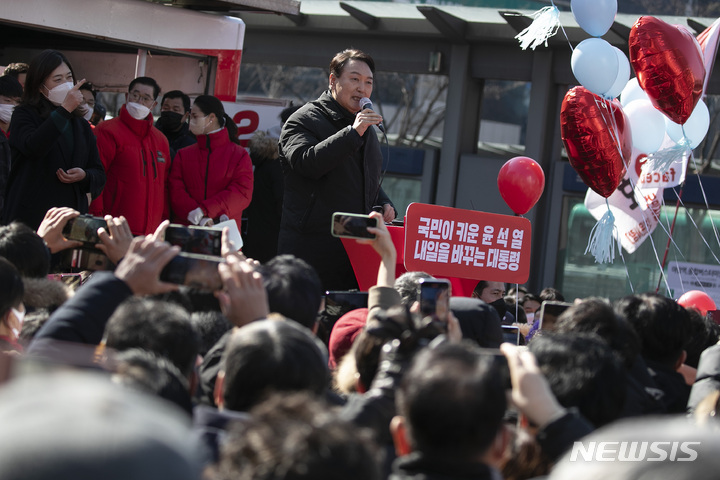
x: 521, y: 181
x: 597, y: 138
x: 697, y: 300
x: 669, y: 65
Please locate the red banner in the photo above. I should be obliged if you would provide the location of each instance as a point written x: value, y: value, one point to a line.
x: 467, y: 244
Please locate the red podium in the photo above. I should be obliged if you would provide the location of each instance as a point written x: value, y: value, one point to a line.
x: 365, y: 262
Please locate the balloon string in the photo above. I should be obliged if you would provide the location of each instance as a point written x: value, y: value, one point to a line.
x: 698, y: 230
x: 670, y: 237
x: 656, y: 217
x: 613, y: 127
x: 677, y: 250
x: 647, y: 228
x: 627, y: 272
x: 563, y: 29
x: 702, y: 189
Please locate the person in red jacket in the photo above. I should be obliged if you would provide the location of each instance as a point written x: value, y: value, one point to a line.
x: 137, y: 159
x: 212, y: 180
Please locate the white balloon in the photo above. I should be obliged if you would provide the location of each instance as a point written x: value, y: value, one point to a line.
x: 647, y: 125
x: 695, y: 127
x: 594, y: 16
x: 595, y: 65
x: 623, y: 75
x: 632, y: 92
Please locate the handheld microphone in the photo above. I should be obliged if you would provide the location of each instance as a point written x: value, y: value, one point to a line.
x: 366, y: 103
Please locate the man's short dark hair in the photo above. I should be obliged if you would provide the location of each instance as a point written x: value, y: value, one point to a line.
x: 583, y: 372
x: 596, y: 315
x: 297, y: 437
x: 293, y: 289
x: 211, y: 326
x: 147, y: 372
x: 25, y: 249
x: 551, y: 294
x: 660, y: 322
x: 337, y: 64
x: 10, y: 87
x: 178, y: 94
x: 703, y: 332
x: 159, y: 327
x: 12, y: 286
x: 271, y: 355
x: 89, y: 87
x: 150, y: 82
x: 453, y: 400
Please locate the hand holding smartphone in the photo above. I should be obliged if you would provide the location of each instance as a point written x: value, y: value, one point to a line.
x: 352, y: 225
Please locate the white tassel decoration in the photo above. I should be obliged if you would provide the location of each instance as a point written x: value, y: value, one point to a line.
x: 545, y: 25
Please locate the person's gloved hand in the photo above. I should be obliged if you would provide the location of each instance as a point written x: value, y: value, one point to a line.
x: 224, y: 218
x: 195, y: 216
x: 206, y: 222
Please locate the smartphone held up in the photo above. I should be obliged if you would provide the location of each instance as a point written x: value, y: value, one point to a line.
x: 84, y: 228
x: 435, y: 298
x: 352, y: 225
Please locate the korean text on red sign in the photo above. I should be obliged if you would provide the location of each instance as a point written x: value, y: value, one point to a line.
x: 453, y: 242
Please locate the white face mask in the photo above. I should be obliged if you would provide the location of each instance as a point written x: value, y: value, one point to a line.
x: 57, y: 95
x: 88, y: 113
x: 195, y: 125
x: 530, y: 317
x: 6, y: 111
x: 20, y: 318
x: 137, y: 110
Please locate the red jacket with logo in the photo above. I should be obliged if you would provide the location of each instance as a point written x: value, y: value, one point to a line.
x: 214, y: 174
x: 137, y: 159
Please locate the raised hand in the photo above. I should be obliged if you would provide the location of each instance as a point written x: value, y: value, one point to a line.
x: 73, y: 99
x: 51, y: 228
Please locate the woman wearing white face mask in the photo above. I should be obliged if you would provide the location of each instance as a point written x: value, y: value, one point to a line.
x: 10, y: 93
x: 12, y: 310
x: 211, y: 180
x: 55, y: 161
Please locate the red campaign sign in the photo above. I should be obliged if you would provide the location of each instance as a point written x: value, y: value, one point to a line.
x: 467, y: 244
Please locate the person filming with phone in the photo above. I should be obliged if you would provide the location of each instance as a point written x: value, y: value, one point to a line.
x: 332, y: 162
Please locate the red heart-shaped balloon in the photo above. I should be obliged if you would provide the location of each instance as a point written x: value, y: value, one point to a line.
x: 597, y: 138
x: 669, y: 66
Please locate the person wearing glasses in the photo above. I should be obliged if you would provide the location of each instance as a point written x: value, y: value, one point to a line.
x: 55, y: 161
x: 88, y: 92
x: 137, y: 158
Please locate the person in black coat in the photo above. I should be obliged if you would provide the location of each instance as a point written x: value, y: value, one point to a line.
x: 55, y: 161
x: 332, y: 162
x: 265, y: 210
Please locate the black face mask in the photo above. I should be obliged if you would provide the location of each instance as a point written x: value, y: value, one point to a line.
x: 169, y: 121
x: 500, y: 306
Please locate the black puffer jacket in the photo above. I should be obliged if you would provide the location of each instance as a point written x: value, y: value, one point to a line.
x: 328, y: 168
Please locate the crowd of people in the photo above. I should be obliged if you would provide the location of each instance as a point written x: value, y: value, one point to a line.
x: 122, y: 375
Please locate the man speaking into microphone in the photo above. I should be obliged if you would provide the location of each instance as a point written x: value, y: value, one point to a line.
x: 332, y: 162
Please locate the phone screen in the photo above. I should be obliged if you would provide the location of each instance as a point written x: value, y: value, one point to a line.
x: 195, y: 271
x: 84, y: 229
x: 512, y: 334
x: 435, y: 298
x: 549, y: 313
x: 200, y: 240
x: 352, y: 225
